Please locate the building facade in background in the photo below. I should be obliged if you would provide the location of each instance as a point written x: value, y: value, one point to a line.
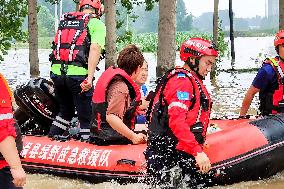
x: 271, y: 8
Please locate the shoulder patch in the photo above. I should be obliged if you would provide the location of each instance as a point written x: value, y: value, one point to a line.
x: 181, y: 75
x: 182, y: 95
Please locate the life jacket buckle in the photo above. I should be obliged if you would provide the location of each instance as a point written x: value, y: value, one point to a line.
x: 70, y: 17
x: 64, y: 68
x: 282, y: 80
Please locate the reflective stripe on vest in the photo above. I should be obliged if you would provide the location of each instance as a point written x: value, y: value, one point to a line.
x: 6, y: 116
x: 72, y: 70
x: 85, y: 133
x: 275, y: 63
x: 177, y: 104
x: 271, y: 100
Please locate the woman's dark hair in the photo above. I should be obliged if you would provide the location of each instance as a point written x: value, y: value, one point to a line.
x: 130, y: 58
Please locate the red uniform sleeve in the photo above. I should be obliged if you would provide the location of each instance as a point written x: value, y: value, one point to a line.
x: 176, y: 92
x: 6, y: 114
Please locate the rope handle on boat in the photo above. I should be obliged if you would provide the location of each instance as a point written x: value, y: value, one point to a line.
x: 61, y: 138
x: 126, y: 162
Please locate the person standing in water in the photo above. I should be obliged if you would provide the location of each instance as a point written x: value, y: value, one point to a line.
x: 179, y: 119
x: 269, y: 83
x: 77, y: 47
x: 12, y: 174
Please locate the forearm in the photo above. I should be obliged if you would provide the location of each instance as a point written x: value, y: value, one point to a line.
x: 117, y: 124
x: 247, y: 100
x: 9, y: 151
x: 245, y: 106
x: 94, y: 56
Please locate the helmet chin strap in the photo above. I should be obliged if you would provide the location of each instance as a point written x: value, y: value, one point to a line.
x: 195, y: 67
x: 282, y: 60
x: 277, y: 50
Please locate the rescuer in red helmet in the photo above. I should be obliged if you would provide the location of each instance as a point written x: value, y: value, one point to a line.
x: 180, y: 116
x: 77, y: 46
x: 268, y: 82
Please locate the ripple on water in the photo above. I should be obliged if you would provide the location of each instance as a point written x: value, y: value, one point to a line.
x: 42, y: 181
x: 227, y: 97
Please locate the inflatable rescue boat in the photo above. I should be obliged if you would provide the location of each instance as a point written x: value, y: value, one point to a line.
x: 239, y: 149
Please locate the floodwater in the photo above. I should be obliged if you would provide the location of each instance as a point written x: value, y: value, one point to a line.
x: 227, y: 95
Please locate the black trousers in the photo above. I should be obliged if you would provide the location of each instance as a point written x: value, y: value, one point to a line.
x: 6, y: 179
x: 68, y: 93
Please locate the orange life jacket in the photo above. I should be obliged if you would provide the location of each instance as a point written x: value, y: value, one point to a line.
x: 199, y: 111
x: 6, y: 113
x: 99, y: 127
x: 71, y: 43
x: 273, y: 102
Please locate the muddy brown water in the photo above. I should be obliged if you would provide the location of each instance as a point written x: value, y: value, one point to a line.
x: 227, y: 96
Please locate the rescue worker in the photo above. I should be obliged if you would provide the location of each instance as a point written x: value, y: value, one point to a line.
x: 12, y: 175
x: 115, y: 101
x: 268, y: 83
x: 180, y: 113
x: 77, y: 47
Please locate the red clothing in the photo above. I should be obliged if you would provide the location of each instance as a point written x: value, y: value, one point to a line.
x: 181, y: 115
x: 6, y: 115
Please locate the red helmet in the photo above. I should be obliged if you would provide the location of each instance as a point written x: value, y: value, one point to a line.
x: 96, y: 4
x: 197, y: 47
x: 279, y: 38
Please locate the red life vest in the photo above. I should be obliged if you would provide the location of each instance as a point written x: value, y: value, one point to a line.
x: 99, y: 127
x: 72, y: 42
x: 273, y: 101
x: 6, y: 115
x: 197, y: 116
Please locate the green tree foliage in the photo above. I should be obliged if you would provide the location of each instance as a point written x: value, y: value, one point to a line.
x: 12, y: 13
x: 45, y: 22
x: 130, y: 4
x: 68, y: 5
x: 123, y: 15
x: 147, y: 21
x: 184, y: 21
x: 127, y: 15
x: 57, y: 1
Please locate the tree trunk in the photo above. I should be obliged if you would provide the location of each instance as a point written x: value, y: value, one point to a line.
x: 166, y: 36
x: 110, y: 15
x: 231, y: 15
x: 33, y: 38
x: 215, y: 22
x: 281, y: 14
x: 77, y: 7
x: 215, y: 33
x: 55, y: 17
